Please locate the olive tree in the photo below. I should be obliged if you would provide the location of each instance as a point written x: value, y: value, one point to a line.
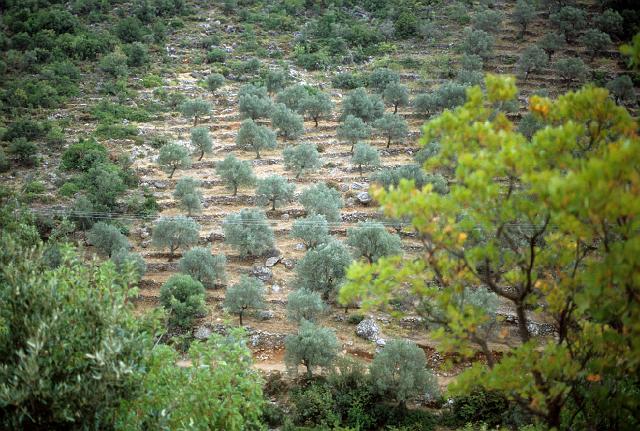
x: 396, y: 95
x: 276, y: 80
x: 174, y: 233
x: 372, y: 241
x: 183, y: 298
x: 312, y: 346
x: 321, y: 199
x: 293, y: 97
x: 523, y: 14
x: 203, y: 266
x: 571, y: 69
x: 311, y: 230
x: 254, y: 102
x: 364, y: 155
x: 317, y: 106
x: 248, y: 293
x: 125, y: 260
x: 425, y: 104
x: 621, y: 88
x: 289, y: 124
x: 323, y: 268
x: 569, y: 21
x: 400, y: 372
x: 252, y: 137
x: 611, y: 22
x: 173, y: 156
x: 235, y: 173
x: 362, y: 105
x: 381, y: 77
x: 595, y: 41
x: 302, y: 158
x: 274, y: 190
x: 248, y: 232
x: 533, y: 59
x: 201, y: 141
x: 551, y: 43
x: 195, y: 109
x: 188, y: 195
x: 214, y: 82
x: 352, y: 129
x: 451, y: 95
x: 477, y: 42
x: 107, y: 239
x: 392, y: 126
x: 303, y: 304
x: 488, y: 20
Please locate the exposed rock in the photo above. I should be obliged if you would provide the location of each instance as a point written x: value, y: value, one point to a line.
x: 368, y: 329
x: 363, y: 198
x: 411, y: 322
x: 358, y: 186
x: 349, y: 202
x: 300, y: 247
x: 160, y: 185
x: 344, y: 187
x: 381, y: 342
x: 202, y: 333
x: 272, y: 261
x: 284, y: 217
x: 145, y: 244
x: 275, y: 288
x: 265, y: 315
x: 289, y: 263
x: 262, y: 273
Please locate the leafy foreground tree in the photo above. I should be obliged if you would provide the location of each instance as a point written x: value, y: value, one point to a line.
x: 183, y: 298
x: 74, y: 374
x: 323, y: 200
x: 201, y: 140
x: 304, y: 304
x: 311, y: 230
x: 195, y: 109
x: 302, y: 158
x: 188, y: 195
x: 372, y: 241
x: 172, y: 157
x: 548, y: 235
x: 248, y: 293
x: 203, y: 266
x: 312, y: 346
x: 174, y: 233
x: 400, y: 372
x: 323, y: 269
x: 227, y: 396
x: 248, y: 232
x: 236, y: 173
x: 252, y: 137
x: 274, y: 190
x: 107, y: 239
x: 365, y: 155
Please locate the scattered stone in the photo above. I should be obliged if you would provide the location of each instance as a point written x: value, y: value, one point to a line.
x: 145, y: 244
x: 357, y: 186
x: 202, y: 333
x: 363, y: 198
x: 144, y: 233
x: 300, y: 247
x: 344, y: 187
x: 368, y: 329
x: 160, y: 185
x: 275, y: 288
x: 265, y: 315
x: 411, y: 322
x: 285, y: 217
x: 289, y: 263
x: 381, y: 342
x: 272, y: 261
x: 262, y: 273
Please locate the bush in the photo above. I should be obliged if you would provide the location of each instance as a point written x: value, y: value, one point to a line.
x: 365, y: 155
x: 425, y: 104
x: 24, y: 151
x: 301, y: 159
x: 183, y: 298
x: 107, y: 239
x: 114, y: 65
x: 203, y: 266
x: 312, y: 347
x: 314, y: 405
x: 347, y: 81
x: 320, y: 199
x: 487, y: 20
x: 392, y: 177
x: 289, y: 124
x: 372, y: 241
x: 392, y: 126
x: 381, y: 77
x: 137, y: 54
x: 354, y: 319
x: 174, y: 233
x: 254, y: 137
x: 276, y: 80
x: 595, y: 41
x: 293, y: 97
x: 4, y: 163
x: 451, y: 95
x: 26, y: 128
x: 323, y: 269
x: 83, y: 155
x: 478, y: 406
x: 311, y: 230
x: 124, y: 260
x: 621, y: 88
x: 188, y: 195
x: 236, y: 173
x: 523, y: 14
x: 201, y: 141
x: 610, y: 21
x: 172, y: 157
x: 477, y: 42
x: 550, y: 43
x: 353, y: 129
x: 362, y: 105
x: 274, y: 190
x: 214, y: 82
x: 129, y: 30
x: 248, y: 293
x: 103, y: 184
x: 195, y: 108
x: 216, y: 55
x: 248, y: 232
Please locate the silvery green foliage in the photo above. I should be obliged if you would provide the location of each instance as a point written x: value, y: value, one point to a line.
x: 293, y: 97
x: 477, y: 42
x: 303, y: 304
x: 313, y: 346
x: 173, y: 156
x: 425, y: 104
x: 381, y: 77
x: 274, y: 190
x: 321, y: 199
x: 352, y: 129
x: 316, y: 106
x: 276, y: 80
x: 174, y: 233
x: 289, y: 124
x: 533, y: 59
x: 364, y: 155
x: 392, y: 127
x: 399, y: 371
x: 235, y: 173
x: 203, y: 266
x: 396, y: 95
x: 253, y: 102
x: 195, y: 108
x: 252, y: 137
x: 247, y: 294
x: 311, y: 230
x: 323, y: 268
x: 124, y: 259
x: 392, y: 176
x: 523, y: 14
x: 488, y: 20
x: 214, y: 81
x: 248, y: 232
x: 188, y: 195
x: 362, y: 105
x: 302, y: 158
x: 201, y: 141
x: 621, y: 88
x: 372, y: 241
x: 107, y: 239
x: 183, y: 297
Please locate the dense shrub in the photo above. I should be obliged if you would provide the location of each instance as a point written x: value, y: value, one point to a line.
x: 569, y: 21
x: 25, y: 152
x: 129, y: 30
x: 347, y: 81
x: 83, y: 155
x: 381, y: 77
x: 137, y: 54
x: 125, y: 260
x: 114, y: 65
x: 183, y: 298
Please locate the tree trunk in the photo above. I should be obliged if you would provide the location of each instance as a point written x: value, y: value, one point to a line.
x: 306, y: 364
x: 360, y: 169
x: 522, y: 322
x: 389, y: 142
x: 235, y: 189
x: 240, y: 314
x: 195, y: 120
x: 171, y: 256
x: 351, y: 150
x: 273, y: 205
x: 201, y: 155
x: 316, y: 120
x: 257, y: 154
x: 395, y: 108
x: 172, y: 171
